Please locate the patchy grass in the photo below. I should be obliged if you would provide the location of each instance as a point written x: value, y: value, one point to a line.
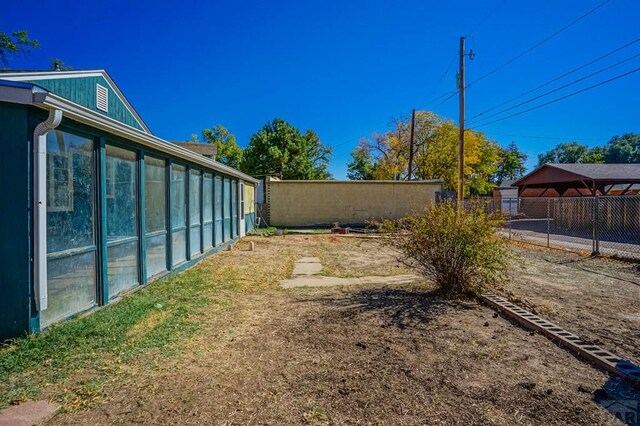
x: 269, y: 230
x: 223, y: 343
x: 272, y: 230
x: 318, y: 231
x: 145, y: 331
x: 149, y: 330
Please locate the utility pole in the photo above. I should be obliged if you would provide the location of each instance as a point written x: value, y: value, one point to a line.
x: 461, y: 125
x: 413, y: 124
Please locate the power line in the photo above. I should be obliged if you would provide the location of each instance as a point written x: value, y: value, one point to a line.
x: 435, y: 87
x: 562, y: 97
x: 562, y: 87
x: 549, y: 137
x: 558, y: 78
x: 575, y: 21
x: 446, y: 72
x: 357, y: 138
x: 448, y: 69
x: 449, y: 93
x: 455, y: 92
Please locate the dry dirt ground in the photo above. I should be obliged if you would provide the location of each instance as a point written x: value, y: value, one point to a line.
x: 596, y: 298
x: 354, y: 355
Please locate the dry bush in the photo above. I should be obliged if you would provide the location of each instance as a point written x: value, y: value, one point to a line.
x: 458, y: 251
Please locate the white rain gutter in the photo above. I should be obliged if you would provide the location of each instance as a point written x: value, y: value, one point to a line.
x: 40, y: 206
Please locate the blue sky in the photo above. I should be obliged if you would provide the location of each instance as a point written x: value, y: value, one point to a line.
x: 343, y: 68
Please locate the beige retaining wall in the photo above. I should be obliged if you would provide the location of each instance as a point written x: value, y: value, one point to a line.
x: 306, y: 203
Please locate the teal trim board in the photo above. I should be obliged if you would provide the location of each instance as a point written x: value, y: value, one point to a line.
x: 142, y: 245
x: 103, y: 277
x: 15, y: 226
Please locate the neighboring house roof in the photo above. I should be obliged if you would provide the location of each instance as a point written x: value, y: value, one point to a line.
x: 506, y: 184
x: 611, y: 171
x: 81, y: 87
x: 207, y: 149
x: 620, y: 173
x: 578, y: 179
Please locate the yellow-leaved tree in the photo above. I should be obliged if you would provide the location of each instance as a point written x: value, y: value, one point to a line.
x: 435, y: 154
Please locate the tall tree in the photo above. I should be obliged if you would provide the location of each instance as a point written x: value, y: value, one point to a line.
x: 623, y: 149
x: 435, y: 153
x: 510, y: 164
x: 280, y: 149
x: 15, y: 44
x: 362, y: 166
x: 569, y: 152
x: 228, y: 151
x: 391, y: 150
x: 619, y: 149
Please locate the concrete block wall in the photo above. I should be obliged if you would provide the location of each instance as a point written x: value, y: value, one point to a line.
x: 308, y: 203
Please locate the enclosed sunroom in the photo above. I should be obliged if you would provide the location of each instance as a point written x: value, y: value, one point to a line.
x: 93, y: 204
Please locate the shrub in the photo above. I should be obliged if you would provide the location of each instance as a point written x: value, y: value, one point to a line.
x: 458, y: 251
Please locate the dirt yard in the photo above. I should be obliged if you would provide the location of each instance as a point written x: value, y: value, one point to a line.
x: 368, y: 354
x: 596, y: 298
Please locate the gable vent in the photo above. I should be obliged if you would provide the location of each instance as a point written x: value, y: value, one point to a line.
x: 102, y: 98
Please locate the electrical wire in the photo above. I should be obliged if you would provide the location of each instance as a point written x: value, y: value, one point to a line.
x: 448, y: 69
x: 558, y: 78
x: 561, y: 87
x: 449, y: 93
x: 435, y: 87
x: 549, y: 137
x: 562, y: 97
x: 510, y: 61
x: 455, y: 92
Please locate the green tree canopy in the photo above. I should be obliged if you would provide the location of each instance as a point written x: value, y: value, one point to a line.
x: 619, y: 149
x: 568, y: 152
x: 15, y: 44
x: 280, y: 149
x: 510, y: 164
x: 362, y: 166
x: 596, y: 155
x: 228, y: 151
x: 623, y: 149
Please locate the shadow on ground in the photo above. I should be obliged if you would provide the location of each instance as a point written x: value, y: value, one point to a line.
x: 621, y: 399
x: 395, y: 307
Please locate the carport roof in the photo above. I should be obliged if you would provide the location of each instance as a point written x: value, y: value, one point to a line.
x: 586, y: 179
x: 611, y: 171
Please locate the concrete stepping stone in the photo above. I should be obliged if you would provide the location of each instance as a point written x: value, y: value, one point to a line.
x: 308, y: 260
x: 307, y: 266
x: 323, y: 281
x: 306, y: 270
x: 27, y: 413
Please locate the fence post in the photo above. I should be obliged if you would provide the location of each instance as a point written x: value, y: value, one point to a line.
x: 596, y: 226
x: 510, y: 215
x: 548, y: 220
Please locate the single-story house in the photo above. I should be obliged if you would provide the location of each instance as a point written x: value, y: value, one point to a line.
x: 93, y: 203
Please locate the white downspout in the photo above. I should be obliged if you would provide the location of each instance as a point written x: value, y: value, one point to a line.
x: 40, y: 207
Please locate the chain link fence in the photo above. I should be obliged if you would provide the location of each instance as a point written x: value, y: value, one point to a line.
x: 607, y: 225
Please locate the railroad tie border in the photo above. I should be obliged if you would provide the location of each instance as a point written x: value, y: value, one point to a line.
x: 593, y: 353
